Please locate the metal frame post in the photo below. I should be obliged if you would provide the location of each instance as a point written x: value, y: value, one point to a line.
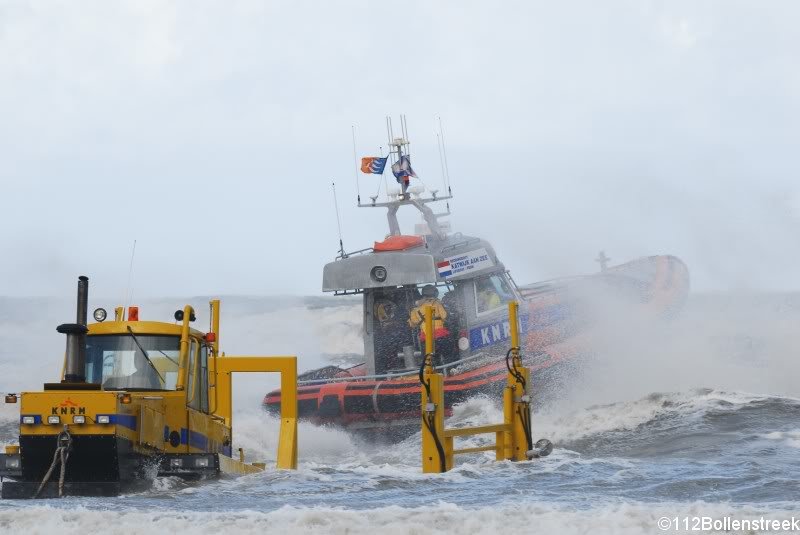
x: 433, y: 407
x: 184, y: 356
x: 512, y: 437
x: 517, y: 392
x: 287, y: 367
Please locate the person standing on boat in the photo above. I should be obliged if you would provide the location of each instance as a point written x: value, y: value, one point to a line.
x: 488, y: 298
x: 416, y: 320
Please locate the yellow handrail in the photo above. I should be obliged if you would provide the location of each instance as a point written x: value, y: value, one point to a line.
x: 183, y: 357
x: 215, y: 306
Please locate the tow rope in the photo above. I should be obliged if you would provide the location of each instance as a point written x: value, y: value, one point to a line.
x: 61, y: 455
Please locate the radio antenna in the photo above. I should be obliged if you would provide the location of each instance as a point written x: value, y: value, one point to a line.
x: 441, y: 159
x: 444, y: 152
x: 128, y: 288
x: 355, y: 163
x: 404, y: 125
x: 338, y: 222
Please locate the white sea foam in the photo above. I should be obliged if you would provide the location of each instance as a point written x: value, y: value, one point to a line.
x: 628, y: 415
x: 790, y: 438
x: 340, y: 329
x: 257, y: 432
x: 622, y: 519
x: 9, y: 413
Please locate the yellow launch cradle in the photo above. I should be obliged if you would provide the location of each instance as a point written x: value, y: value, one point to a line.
x: 134, y: 396
x: 512, y: 437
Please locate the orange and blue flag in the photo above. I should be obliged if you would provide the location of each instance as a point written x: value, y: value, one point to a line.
x: 373, y: 165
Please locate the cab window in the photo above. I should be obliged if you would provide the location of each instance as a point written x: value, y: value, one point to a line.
x: 198, y: 377
x: 491, y: 293
x: 203, y: 378
x: 123, y: 361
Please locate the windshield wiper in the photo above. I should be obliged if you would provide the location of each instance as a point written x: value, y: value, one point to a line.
x: 146, y: 356
x: 172, y: 360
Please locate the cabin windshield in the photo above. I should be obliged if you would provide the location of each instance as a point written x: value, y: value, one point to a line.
x: 492, y: 293
x: 118, y: 363
x: 397, y: 317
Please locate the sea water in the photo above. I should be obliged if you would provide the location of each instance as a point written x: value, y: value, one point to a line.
x: 627, y: 458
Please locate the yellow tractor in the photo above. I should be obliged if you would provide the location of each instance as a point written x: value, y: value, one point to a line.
x: 137, y: 399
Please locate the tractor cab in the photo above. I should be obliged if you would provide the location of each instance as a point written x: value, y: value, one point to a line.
x: 132, y: 355
x: 145, y: 356
x: 132, y: 362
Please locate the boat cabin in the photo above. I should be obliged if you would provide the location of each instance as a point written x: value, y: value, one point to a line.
x: 461, y: 274
x: 472, y: 286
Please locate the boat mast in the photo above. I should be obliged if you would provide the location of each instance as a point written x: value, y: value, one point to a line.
x: 401, y: 146
x: 396, y: 145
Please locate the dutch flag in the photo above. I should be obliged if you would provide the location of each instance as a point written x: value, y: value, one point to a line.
x: 444, y: 269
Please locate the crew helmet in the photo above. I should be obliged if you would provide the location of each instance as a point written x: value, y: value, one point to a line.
x: 429, y: 290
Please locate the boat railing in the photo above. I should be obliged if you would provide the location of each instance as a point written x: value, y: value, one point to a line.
x: 366, y: 250
x: 460, y: 244
x: 396, y: 375
x: 347, y: 292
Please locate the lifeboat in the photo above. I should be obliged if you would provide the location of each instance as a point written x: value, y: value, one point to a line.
x: 559, y: 319
x: 557, y: 328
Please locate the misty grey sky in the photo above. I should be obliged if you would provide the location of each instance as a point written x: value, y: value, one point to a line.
x: 210, y: 132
